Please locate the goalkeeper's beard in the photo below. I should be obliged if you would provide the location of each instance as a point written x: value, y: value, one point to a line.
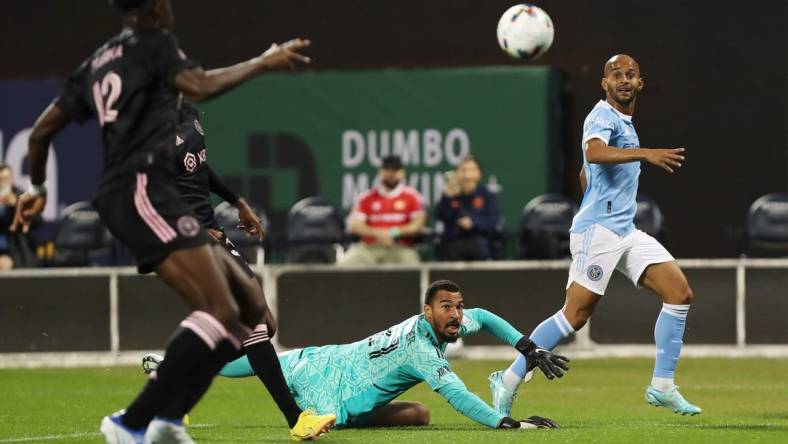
x: 451, y: 338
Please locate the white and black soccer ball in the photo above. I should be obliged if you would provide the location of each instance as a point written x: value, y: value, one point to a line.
x: 151, y: 363
x: 525, y: 31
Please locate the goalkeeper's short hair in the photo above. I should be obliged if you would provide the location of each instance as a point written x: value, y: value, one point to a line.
x: 435, y: 287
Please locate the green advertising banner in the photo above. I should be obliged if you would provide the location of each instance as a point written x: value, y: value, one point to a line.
x: 284, y: 137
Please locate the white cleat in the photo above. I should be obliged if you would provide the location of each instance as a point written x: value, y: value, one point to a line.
x: 166, y: 431
x: 503, y: 398
x: 116, y: 433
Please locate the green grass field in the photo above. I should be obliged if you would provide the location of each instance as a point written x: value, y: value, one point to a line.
x: 744, y: 400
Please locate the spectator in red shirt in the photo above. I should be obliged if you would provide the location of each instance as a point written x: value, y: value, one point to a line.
x: 387, y: 218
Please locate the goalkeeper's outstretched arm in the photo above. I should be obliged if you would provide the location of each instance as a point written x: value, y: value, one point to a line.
x: 470, y: 405
x: 473, y: 407
x: 552, y: 365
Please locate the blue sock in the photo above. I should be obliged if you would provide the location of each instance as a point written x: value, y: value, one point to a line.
x: 546, y: 335
x: 668, y: 335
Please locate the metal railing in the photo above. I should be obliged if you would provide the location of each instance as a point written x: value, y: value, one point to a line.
x: 272, y: 272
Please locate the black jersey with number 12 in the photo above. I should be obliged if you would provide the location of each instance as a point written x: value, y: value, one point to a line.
x: 128, y: 85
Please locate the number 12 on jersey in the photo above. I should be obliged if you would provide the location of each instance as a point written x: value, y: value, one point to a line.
x: 105, y: 95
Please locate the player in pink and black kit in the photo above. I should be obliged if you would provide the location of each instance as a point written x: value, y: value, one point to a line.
x: 196, y: 180
x: 387, y: 218
x: 131, y: 85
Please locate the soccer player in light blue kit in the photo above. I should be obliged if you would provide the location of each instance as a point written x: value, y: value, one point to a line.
x: 359, y: 381
x: 603, y: 238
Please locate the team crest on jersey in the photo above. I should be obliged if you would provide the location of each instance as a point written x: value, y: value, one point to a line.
x: 595, y: 273
x: 399, y: 205
x: 377, y: 206
x: 198, y: 127
x: 188, y: 226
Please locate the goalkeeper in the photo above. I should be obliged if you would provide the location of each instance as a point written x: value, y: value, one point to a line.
x: 360, y: 381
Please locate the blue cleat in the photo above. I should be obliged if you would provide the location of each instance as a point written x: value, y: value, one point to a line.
x: 671, y: 400
x: 116, y: 433
x: 502, y: 398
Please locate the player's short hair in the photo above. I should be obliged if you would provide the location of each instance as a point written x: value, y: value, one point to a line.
x: 127, y: 5
x: 435, y: 287
x: 392, y: 162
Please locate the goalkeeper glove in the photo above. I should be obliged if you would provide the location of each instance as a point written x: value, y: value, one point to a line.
x: 532, y: 422
x: 551, y: 364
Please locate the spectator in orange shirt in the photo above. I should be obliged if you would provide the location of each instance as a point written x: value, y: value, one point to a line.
x: 387, y: 218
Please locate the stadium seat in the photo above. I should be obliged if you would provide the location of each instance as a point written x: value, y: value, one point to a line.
x: 544, y: 227
x: 82, y: 239
x: 767, y: 226
x: 250, y: 247
x: 315, y: 232
x: 648, y: 216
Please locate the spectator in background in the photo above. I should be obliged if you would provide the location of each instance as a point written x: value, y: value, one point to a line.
x: 469, y: 213
x: 7, y: 207
x: 387, y: 218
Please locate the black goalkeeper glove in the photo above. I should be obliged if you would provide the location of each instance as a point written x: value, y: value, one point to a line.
x: 538, y: 422
x: 551, y: 364
x: 532, y: 422
x: 509, y: 423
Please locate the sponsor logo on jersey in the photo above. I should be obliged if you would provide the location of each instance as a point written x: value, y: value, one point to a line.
x: 188, y: 226
x: 595, y: 273
x: 443, y: 371
x: 191, y: 162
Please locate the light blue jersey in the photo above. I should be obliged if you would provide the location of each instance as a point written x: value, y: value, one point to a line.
x: 609, y: 199
x: 352, y: 380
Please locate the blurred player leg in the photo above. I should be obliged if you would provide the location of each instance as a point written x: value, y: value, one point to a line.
x: 206, y: 335
x: 259, y: 351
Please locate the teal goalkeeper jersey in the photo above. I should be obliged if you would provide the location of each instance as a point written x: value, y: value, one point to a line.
x: 352, y: 380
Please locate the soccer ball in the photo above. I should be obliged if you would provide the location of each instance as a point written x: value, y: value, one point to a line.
x: 151, y: 363
x: 525, y: 31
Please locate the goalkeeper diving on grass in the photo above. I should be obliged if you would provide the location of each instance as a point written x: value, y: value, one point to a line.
x: 360, y: 381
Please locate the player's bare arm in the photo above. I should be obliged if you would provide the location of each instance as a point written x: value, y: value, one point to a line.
x: 200, y: 85
x: 583, y: 180
x: 32, y: 202
x: 248, y: 220
x: 666, y: 158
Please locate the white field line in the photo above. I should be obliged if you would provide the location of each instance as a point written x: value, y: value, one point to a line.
x: 77, y: 435
x: 50, y: 437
